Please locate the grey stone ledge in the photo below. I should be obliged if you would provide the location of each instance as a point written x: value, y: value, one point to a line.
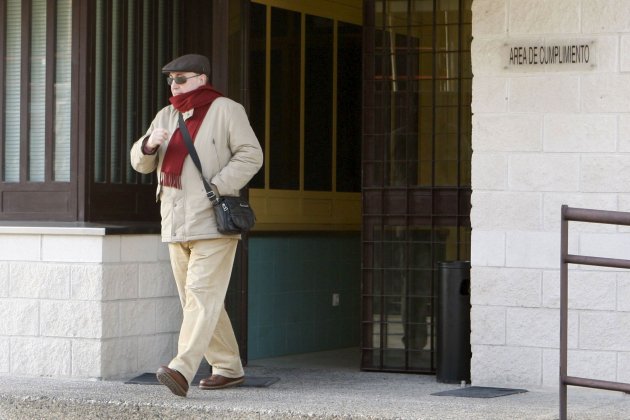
x: 78, y: 228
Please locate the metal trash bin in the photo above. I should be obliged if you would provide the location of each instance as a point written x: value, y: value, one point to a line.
x: 453, y: 333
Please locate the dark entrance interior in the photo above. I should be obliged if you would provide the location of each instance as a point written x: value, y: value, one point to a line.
x: 415, y: 158
x: 416, y: 172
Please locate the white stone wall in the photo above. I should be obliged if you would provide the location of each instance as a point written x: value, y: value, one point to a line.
x: 79, y: 303
x: 543, y: 138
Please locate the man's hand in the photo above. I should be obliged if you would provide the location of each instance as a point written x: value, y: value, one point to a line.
x: 158, y: 136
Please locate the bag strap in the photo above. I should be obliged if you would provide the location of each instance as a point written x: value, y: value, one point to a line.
x: 195, y: 158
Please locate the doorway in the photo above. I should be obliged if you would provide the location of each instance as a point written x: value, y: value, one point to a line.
x: 387, y: 200
x: 296, y: 68
x: 416, y: 172
x: 305, y: 107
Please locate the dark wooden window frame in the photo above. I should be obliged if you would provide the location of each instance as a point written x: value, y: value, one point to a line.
x: 80, y: 199
x: 119, y: 201
x: 47, y: 200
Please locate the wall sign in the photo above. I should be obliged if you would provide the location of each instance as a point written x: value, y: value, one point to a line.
x: 558, y: 55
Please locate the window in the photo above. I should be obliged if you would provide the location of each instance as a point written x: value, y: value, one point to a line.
x: 80, y: 80
x: 284, y: 156
x: 36, y: 160
x: 62, y: 90
x: 318, y: 110
x: 30, y: 100
x: 348, y: 125
x: 305, y: 81
x: 12, y: 90
x: 37, y: 92
x: 133, y: 39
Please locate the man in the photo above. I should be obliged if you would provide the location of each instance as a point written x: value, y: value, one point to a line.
x: 201, y: 257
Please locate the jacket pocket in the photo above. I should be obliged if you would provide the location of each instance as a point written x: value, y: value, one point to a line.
x: 216, y: 155
x: 178, y: 229
x: 166, y: 212
x: 173, y: 214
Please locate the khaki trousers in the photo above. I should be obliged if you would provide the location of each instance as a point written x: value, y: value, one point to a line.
x: 202, y: 273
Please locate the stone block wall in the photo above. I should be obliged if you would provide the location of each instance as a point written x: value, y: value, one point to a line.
x: 75, y: 302
x: 542, y: 138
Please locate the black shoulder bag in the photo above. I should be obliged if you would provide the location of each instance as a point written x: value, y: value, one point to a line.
x: 233, y: 214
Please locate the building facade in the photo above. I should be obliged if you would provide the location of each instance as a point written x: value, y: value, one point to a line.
x: 397, y: 134
x: 548, y: 130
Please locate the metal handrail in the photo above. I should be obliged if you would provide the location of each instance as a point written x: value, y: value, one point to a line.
x: 589, y: 216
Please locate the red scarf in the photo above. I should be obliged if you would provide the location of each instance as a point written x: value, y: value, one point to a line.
x: 200, y: 100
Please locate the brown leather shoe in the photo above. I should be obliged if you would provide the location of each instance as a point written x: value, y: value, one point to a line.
x: 173, y: 380
x: 218, y: 382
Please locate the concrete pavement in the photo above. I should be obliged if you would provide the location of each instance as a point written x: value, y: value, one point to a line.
x: 315, y: 392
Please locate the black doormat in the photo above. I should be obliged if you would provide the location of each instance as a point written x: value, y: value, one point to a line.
x: 479, y: 392
x: 253, y: 381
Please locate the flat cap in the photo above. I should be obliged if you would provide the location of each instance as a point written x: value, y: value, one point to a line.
x: 190, y: 62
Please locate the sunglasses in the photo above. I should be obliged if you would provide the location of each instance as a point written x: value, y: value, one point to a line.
x: 180, y: 80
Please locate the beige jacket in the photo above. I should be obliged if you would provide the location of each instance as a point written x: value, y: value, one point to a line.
x: 230, y: 156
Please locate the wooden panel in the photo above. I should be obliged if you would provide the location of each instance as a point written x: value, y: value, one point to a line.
x: 35, y: 201
x: 124, y: 203
x: 344, y: 10
x: 318, y: 208
x: 284, y: 210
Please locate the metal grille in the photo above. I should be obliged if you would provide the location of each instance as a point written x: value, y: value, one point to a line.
x: 416, y: 172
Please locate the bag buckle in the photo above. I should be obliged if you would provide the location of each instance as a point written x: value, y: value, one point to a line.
x: 212, y: 197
